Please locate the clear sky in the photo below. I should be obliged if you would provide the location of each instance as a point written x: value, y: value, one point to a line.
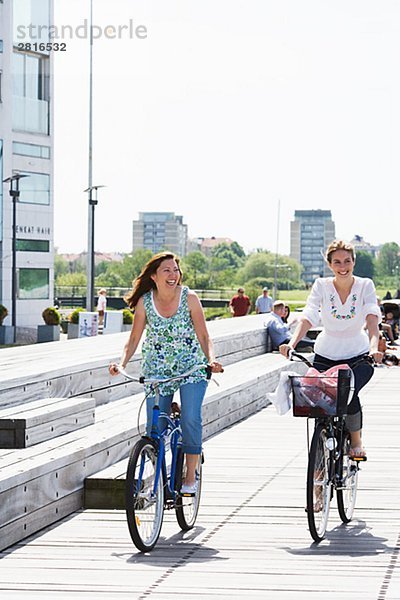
x: 225, y: 108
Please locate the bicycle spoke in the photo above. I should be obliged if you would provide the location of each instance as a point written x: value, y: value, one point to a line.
x: 319, y: 485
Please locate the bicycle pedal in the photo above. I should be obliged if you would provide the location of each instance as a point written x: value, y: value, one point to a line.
x: 187, y: 495
x: 358, y: 458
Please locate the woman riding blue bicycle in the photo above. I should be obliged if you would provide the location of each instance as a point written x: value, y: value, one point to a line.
x: 344, y: 303
x: 176, y: 340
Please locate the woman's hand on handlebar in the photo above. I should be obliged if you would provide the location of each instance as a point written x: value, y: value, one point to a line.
x: 284, y: 349
x: 114, y: 369
x: 216, y: 367
x: 377, y: 356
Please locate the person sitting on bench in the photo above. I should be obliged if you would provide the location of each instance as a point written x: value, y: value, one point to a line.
x: 279, y: 331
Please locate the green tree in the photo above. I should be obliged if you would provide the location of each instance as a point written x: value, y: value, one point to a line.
x: 121, y: 274
x: 232, y: 255
x: 196, y: 267
x: 365, y: 264
x: 389, y: 259
x: 61, y: 266
x: 72, y: 279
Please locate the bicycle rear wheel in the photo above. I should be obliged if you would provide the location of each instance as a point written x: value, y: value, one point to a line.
x: 186, y: 508
x: 144, y: 504
x: 319, y: 484
x: 347, y: 483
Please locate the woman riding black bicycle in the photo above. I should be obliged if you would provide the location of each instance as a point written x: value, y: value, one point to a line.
x: 344, y: 303
x: 176, y: 340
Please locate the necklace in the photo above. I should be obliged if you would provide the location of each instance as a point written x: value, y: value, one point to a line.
x: 334, y: 310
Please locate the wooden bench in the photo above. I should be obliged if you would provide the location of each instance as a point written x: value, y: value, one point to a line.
x: 28, y: 424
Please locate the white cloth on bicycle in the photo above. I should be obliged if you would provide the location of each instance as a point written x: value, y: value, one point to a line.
x: 281, y: 397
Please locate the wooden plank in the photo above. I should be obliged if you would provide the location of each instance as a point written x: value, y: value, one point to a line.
x: 32, y: 425
x: 250, y: 539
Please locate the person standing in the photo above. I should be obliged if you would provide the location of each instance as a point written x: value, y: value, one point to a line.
x: 240, y: 304
x: 264, y: 302
x: 102, y: 305
x: 176, y: 341
x: 345, y: 303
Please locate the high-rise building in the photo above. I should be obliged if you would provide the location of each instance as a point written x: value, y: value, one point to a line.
x: 310, y: 233
x: 26, y: 147
x: 158, y: 231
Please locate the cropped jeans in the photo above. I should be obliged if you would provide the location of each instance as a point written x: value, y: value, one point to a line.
x: 362, y: 374
x: 192, y: 395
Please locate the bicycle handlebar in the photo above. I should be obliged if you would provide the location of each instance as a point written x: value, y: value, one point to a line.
x: 365, y: 358
x: 143, y: 379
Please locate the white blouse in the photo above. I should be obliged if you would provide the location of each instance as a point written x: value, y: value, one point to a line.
x: 343, y: 334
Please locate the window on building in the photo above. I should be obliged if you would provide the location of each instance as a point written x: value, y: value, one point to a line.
x: 31, y: 150
x: 30, y: 76
x: 33, y: 284
x: 34, y: 189
x: 32, y: 245
x: 31, y: 19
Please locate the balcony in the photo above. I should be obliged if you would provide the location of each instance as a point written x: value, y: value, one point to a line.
x: 31, y: 115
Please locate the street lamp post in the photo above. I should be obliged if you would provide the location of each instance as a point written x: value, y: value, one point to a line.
x: 14, y: 193
x: 90, y: 253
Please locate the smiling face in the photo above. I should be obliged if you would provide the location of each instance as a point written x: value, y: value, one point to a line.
x: 341, y: 264
x: 168, y: 274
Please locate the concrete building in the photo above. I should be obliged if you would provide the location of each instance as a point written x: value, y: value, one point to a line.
x: 26, y: 147
x: 207, y: 245
x: 360, y: 244
x: 158, y: 231
x: 310, y: 233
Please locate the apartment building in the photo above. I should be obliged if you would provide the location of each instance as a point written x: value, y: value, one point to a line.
x: 26, y: 147
x: 158, y: 231
x: 310, y: 233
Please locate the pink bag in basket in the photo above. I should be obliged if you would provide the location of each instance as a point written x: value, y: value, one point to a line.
x: 327, y: 380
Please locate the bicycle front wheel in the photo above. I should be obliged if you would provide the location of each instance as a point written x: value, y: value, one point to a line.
x: 347, y: 483
x: 186, y: 508
x: 144, y: 501
x: 319, y: 484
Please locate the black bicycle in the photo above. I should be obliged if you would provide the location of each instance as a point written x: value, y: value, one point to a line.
x: 330, y: 465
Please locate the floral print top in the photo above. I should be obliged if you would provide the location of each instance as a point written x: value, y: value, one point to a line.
x: 343, y: 334
x: 171, y: 346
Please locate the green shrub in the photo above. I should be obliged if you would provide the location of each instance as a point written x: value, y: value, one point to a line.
x: 3, y: 313
x: 127, y: 316
x: 74, y: 316
x: 51, y: 316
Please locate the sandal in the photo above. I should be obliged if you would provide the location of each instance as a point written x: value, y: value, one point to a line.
x: 357, y: 453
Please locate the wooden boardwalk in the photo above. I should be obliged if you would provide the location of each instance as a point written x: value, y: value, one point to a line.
x: 251, y: 538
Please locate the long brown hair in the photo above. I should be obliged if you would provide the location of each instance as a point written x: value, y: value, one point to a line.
x: 144, y: 283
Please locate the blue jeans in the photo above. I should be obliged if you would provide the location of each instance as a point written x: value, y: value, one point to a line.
x: 192, y: 395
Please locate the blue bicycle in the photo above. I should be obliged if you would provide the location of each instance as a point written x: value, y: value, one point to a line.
x: 156, y: 470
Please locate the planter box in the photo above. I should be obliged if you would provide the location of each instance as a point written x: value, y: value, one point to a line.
x: 73, y: 331
x: 6, y: 334
x: 126, y: 327
x: 48, y: 333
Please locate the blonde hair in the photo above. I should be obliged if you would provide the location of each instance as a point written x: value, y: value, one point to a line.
x: 144, y: 283
x: 339, y: 245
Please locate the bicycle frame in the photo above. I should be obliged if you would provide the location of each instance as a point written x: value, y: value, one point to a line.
x: 172, y: 431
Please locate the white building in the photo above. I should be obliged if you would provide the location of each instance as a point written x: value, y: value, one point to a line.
x: 158, y: 231
x: 26, y: 146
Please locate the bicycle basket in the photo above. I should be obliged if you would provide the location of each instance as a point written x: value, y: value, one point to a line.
x: 323, y: 396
